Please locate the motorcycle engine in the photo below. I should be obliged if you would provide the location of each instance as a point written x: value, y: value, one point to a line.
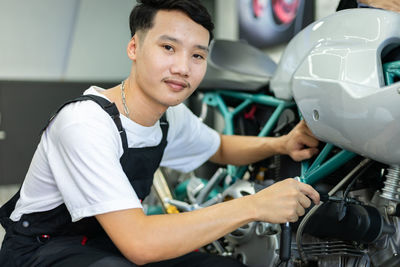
x: 363, y: 230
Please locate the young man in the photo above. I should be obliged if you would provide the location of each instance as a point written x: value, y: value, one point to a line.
x: 80, y: 201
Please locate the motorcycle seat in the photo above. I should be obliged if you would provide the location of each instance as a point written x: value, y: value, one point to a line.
x: 236, y: 65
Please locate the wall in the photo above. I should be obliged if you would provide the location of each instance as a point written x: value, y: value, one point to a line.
x: 71, y: 40
x: 83, y: 40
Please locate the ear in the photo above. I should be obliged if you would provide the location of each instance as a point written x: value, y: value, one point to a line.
x: 132, y: 47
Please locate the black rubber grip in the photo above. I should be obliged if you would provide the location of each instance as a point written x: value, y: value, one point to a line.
x: 286, y: 242
x: 324, y: 197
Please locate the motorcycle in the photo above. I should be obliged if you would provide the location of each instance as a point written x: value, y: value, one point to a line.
x: 340, y: 76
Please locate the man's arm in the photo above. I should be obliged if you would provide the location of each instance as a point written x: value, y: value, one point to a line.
x: 143, y: 239
x: 300, y: 144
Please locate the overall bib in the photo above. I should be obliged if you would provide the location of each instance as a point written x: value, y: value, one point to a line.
x: 50, y: 238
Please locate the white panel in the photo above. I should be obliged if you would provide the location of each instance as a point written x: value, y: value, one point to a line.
x: 34, y: 36
x: 102, y: 33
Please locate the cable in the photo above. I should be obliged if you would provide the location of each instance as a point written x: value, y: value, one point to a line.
x: 346, y: 192
x: 303, y: 223
x: 342, y: 207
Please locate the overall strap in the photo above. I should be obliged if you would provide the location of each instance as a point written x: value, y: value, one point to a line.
x: 108, y: 107
x: 7, y: 209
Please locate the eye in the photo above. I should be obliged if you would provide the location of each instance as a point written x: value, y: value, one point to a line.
x: 168, y: 48
x: 198, y: 56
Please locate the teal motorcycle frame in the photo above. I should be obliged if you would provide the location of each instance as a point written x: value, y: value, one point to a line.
x: 312, y: 170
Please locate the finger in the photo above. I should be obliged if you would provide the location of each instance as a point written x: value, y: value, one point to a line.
x: 300, y: 211
x: 309, y: 141
x: 307, y: 129
x: 305, y: 153
x: 304, y: 201
x: 294, y: 218
x: 309, y: 191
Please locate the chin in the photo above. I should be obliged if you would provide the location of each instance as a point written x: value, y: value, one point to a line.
x: 174, y: 101
x: 171, y: 103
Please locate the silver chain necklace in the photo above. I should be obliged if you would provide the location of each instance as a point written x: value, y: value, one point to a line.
x: 126, y: 109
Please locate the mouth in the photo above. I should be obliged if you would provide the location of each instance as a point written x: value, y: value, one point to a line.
x: 176, y: 85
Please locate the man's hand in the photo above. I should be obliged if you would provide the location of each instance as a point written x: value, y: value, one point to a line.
x: 284, y: 201
x: 392, y: 5
x: 300, y: 143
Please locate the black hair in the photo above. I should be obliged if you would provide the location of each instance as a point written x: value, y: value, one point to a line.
x: 143, y: 13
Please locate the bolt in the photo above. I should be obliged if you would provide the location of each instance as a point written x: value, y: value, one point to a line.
x: 391, y: 210
x: 315, y: 115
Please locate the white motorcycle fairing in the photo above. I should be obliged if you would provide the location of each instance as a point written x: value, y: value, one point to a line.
x: 333, y: 70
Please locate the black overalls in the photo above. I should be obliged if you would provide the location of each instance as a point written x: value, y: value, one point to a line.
x: 51, y: 239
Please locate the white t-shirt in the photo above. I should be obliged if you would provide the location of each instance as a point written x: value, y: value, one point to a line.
x: 77, y: 161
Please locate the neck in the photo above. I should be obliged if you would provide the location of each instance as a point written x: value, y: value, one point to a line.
x: 141, y: 110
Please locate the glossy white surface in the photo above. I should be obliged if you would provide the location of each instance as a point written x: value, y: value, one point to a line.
x: 345, y: 46
x: 334, y: 72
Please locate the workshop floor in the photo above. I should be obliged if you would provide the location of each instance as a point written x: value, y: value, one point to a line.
x: 6, y: 192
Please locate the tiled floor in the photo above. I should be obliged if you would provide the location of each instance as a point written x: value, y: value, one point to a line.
x: 6, y: 192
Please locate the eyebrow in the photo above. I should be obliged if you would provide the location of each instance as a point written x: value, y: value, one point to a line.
x: 172, y: 39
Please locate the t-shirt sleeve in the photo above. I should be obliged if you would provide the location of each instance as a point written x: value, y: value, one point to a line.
x: 190, y: 142
x: 84, y: 158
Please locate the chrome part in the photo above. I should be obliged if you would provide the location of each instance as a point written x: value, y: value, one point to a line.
x: 266, y: 229
x: 215, y: 179
x: 220, y: 249
x: 255, y: 243
x: 217, y: 199
x: 391, y: 210
x: 254, y: 248
x: 242, y: 234
x: 193, y: 188
x: 391, y: 190
x: 329, y: 248
x: 344, y: 261
x: 239, y: 189
x: 203, y: 112
x: 183, y: 206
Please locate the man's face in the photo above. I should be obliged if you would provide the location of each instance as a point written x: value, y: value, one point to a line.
x: 170, y: 58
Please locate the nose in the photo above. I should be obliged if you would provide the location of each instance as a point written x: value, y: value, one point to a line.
x: 181, y: 66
